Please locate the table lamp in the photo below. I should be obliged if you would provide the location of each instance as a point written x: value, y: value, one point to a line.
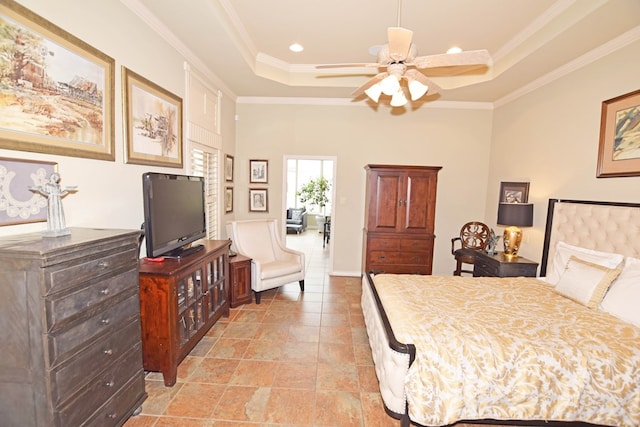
x: 514, y: 215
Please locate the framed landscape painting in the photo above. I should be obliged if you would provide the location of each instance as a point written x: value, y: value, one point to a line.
x: 153, y: 120
x: 228, y: 200
x: 619, y: 147
x: 56, y: 91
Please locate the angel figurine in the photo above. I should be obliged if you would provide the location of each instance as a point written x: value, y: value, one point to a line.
x: 492, y: 243
x: 55, y: 214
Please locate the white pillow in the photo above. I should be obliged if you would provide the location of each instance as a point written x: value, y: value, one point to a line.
x: 564, y: 251
x: 585, y: 282
x: 624, y: 295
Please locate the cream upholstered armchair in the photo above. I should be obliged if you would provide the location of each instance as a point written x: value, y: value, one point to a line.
x: 272, y: 263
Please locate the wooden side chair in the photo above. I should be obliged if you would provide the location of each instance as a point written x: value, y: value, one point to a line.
x: 474, y: 236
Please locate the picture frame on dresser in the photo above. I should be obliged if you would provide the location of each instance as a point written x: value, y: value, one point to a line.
x: 57, y: 113
x: 514, y: 192
x: 153, y: 122
x: 619, y: 145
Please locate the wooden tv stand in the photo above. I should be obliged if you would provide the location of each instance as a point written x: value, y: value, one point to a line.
x: 180, y: 299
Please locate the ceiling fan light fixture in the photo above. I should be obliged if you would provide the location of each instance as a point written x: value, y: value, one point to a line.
x: 417, y: 89
x: 374, y: 92
x: 390, y: 85
x: 398, y: 99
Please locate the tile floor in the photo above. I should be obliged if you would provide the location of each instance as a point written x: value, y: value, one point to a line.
x: 296, y: 359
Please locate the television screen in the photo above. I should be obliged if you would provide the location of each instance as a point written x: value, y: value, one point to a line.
x: 174, y: 213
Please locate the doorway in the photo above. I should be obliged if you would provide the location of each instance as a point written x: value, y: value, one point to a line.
x: 316, y: 241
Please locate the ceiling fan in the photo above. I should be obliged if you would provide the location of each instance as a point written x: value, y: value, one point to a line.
x: 398, y: 60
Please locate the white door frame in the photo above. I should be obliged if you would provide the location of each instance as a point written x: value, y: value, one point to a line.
x: 285, y: 186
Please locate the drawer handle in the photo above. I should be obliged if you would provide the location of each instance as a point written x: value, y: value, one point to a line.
x: 103, y: 264
x: 109, y: 384
x: 108, y: 352
x: 111, y: 416
x: 416, y: 258
x: 382, y: 257
x: 105, y: 321
x: 105, y: 291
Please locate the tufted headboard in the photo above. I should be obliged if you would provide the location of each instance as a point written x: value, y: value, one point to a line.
x: 603, y: 226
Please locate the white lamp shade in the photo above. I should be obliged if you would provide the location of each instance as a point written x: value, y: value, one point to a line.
x: 398, y: 99
x: 417, y: 89
x: 390, y: 85
x: 374, y: 92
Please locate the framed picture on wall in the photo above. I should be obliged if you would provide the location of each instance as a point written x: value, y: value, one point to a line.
x: 19, y: 204
x: 258, y: 171
x: 228, y: 200
x: 258, y: 200
x: 514, y: 192
x: 228, y: 168
x: 57, y: 90
x: 153, y: 119
x: 619, y: 148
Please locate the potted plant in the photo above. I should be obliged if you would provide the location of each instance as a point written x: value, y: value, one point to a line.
x: 314, y: 193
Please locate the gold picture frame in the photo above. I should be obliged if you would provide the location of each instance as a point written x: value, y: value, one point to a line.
x: 64, y: 86
x: 153, y: 121
x: 619, y: 146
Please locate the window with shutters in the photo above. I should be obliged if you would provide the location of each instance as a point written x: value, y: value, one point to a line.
x: 204, y: 162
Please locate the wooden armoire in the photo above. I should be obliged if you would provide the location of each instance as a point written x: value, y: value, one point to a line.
x: 400, y: 210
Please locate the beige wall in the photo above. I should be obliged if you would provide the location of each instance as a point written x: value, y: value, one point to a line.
x: 456, y: 139
x: 551, y: 136
x: 110, y: 193
x: 553, y: 131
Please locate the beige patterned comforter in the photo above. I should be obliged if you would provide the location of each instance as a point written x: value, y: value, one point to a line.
x: 511, y: 349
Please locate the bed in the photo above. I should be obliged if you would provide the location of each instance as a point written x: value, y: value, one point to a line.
x: 564, y: 347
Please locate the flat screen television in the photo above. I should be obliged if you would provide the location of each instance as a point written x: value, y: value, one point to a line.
x: 174, y: 214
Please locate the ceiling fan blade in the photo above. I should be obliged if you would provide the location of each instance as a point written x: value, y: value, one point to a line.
x: 418, y: 76
x: 346, y: 65
x: 368, y: 84
x: 399, y: 43
x: 471, y: 57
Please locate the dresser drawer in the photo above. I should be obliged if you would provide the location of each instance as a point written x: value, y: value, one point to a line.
x: 117, y: 409
x: 406, y: 258
x: 416, y: 245
x: 381, y: 243
x: 81, y: 370
x: 73, y: 273
x: 74, y: 338
x: 483, y: 268
x: 402, y: 269
x: 63, y: 309
x: 100, y: 389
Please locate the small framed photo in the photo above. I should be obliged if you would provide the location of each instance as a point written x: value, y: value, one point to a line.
x: 228, y: 200
x: 228, y: 168
x: 514, y: 192
x: 619, y: 148
x: 258, y: 171
x: 258, y: 200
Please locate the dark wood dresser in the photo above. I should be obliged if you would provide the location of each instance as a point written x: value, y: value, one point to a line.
x: 499, y: 266
x: 70, y: 329
x: 400, y: 218
x: 239, y: 280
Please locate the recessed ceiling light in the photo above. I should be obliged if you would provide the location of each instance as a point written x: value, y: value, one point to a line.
x: 296, y: 47
x: 454, y: 49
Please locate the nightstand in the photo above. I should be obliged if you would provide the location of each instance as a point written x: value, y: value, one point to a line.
x: 239, y: 280
x: 499, y: 266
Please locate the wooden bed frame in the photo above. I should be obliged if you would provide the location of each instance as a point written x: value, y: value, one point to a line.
x: 602, y: 226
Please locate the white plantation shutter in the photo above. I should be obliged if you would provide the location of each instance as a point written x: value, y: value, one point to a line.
x: 204, y: 162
